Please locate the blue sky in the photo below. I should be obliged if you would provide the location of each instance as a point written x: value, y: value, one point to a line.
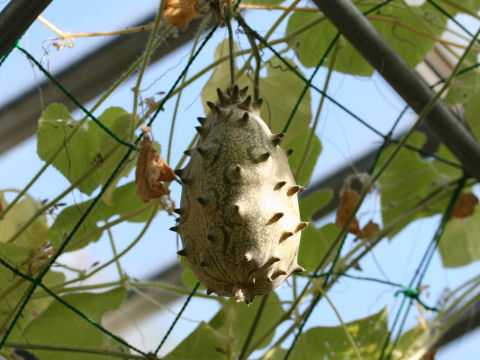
x: 343, y: 141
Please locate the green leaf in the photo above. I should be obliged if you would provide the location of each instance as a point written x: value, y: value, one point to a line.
x: 459, y: 244
x: 124, y: 201
x: 412, y: 343
x: 313, y: 202
x: 331, y: 342
x: 78, y: 155
x: 312, y: 43
x: 276, y: 353
x: 239, y: 318
x: 35, y: 235
x: 18, y: 257
x: 409, y: 180
x: 314, y: 245
x: 220, y: 77
x: 51, y: 279
x: 120, y: 123
x: 200, y: 344
x: 472, y: 111
x: 58, y: 325
x: 299, y: 145
x: 465, y: 87
x: 84, y: 150
x: 278, y: 102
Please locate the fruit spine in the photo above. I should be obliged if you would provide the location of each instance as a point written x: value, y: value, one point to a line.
x: 239, y: 217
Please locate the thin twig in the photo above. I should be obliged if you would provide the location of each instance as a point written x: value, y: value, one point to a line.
x: 317, y: 115
x: 74, y: 349
x: 253, y: 327
x: 202, y: 27
x: 78, y: 126
x: 67, y: 35
x: 115, y: 254
x: 146, y: 59
x: 256, y: 54
x: 122, y: 253
x: 339, y: 317
x: 228, y: 19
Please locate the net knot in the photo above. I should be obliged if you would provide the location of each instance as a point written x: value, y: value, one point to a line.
x: 415, y: 295
x: 409, y: 292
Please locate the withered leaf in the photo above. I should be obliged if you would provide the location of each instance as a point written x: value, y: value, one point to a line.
x: 348, y: 203
x: 368, y: 230
x: 151, y: 170
x: 465, y: 206
x: 349, y: 200
x: 430, y: 355
x: 179, y: 12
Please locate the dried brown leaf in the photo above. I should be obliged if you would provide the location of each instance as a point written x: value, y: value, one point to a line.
x: 465, y: 206
x: 179, y: 12
x: 349, y: 201
x: 430, y: 355
x: 368, y: 230
x: 151, y: 170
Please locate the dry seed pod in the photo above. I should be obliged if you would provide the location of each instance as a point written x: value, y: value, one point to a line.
x: 240, y: 219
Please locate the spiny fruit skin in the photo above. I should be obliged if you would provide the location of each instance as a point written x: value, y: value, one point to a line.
x: 239, y: 217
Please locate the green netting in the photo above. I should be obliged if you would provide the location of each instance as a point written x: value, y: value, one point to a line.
x: 410, y: 292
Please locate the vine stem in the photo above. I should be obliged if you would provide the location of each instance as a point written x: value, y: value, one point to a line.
x: 457, y: 6
x: 64, y: 193
x: 269, y: 33
x: 111, y: 224
x: 115, y: 254
x: 11, y: 288
x: 317, y: 115
x: 256, y: 54
x: 67, y: 35
x: 375, y: 177
x: 57, y: 151
x: 339, y: 317
x: 132, y: 69
x: 253, y: 327
x: 377, y: 18
x: 74, y: 349
x: 122, y: 253
x: 172, y: 288
x: 44, y: 208
x: 426, y: 110
x: 435, y: 198
x: 228, y: 19
x: 462, y: 309
x: 202, y: 27
x: 473, y: 283
x: 14, y: 310
x: 146, y: 59
x: 394, y: 153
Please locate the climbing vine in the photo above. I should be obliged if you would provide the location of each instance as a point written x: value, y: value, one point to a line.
x: 44, y: 314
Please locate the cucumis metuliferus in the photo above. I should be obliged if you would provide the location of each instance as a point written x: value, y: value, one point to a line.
x: 239, y: 217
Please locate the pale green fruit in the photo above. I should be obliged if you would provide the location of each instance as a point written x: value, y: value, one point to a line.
x: 239, y: 217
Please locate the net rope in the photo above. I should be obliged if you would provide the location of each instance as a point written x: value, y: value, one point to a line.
x: 410, y: 292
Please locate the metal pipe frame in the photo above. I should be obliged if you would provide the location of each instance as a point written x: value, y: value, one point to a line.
x: 86, y: 78
x: 403, y: 79
x: 92, y: 74
x: 16, y: 18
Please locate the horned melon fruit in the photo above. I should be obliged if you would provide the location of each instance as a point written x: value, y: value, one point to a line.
x: 239, y: 218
